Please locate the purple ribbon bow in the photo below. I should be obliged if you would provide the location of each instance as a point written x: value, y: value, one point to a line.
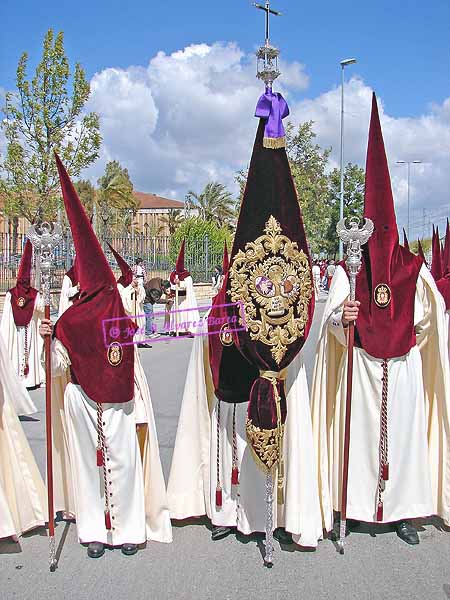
x: 273, y: 107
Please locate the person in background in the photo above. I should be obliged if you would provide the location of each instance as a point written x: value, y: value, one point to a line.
x: 217, y: 280
x: 316, y: 278
x: 330, y: 272
x: 155, y: 289
x: 139, y: 271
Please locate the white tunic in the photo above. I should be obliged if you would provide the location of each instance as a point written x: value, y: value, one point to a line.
x: 22, y: 492
x: 138, y: 504
x: 14, y: 338
x: 411, y: 488
x: 68, y: 291
x: 192, y: 480
x: 187, y: 317
x: 133, y: 303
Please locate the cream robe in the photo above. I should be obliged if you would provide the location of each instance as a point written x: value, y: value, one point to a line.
x: 22, y: 492
x: 139, y: 496
x: 68, y: 291
x: 418, y: 415
x: 192, y: 480
x: 14, y: 338
x: 133, y: 303
x: 187, y: 317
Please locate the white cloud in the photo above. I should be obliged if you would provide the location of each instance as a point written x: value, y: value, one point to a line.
x: 188, y: 118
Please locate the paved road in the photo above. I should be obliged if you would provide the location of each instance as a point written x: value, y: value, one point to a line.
x: 376, y: 564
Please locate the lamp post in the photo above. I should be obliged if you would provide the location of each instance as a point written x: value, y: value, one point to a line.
x: 344, y: 63
x: 409, y: 163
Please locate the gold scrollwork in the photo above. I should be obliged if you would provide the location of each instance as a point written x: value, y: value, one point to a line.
x: 264, y: 445
x: 273, y: 280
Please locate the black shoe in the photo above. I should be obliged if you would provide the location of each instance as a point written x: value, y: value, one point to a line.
x: 144, y: 346
x: 283, y: 536
x: 129, y: 549
x: 407, y: 532
x: 95, y: 550
x: 218, y: 533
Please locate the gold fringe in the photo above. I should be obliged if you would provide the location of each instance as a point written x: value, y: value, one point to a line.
x: 274, y: 143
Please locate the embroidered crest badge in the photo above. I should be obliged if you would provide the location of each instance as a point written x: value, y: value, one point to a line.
x: 382, y: 295
x: 21, y: 302
x: 115, y: 354
x: 225, y: 335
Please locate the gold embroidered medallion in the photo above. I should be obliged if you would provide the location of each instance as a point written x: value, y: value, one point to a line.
x: 382, y: 295
x: 272, y: 278
x: 115, y: 354
x: 21, y: 302
x: 225, y: 335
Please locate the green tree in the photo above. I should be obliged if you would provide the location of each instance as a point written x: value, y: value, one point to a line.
x: 308, y: 164
x: 354, y: 183
x: 172, y: 220
x: 204, y: 246
x: 216, y: 203
x: 116, y: 202
x: 87, y: 194
x: 44, y: 115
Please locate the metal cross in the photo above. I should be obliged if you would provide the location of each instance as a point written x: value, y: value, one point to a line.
x: 268, y: 11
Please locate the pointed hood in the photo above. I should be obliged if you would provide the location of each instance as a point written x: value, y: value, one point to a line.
x: 23, y: 296
x: 446, y: 251
x: 436, y: 261
x: 386, y: 283
x: 95, y: 330
x: 420, y: 251
x: 270, y: 275
x: 405, y: 240
x: 180, y: 270
x: 127, y: 274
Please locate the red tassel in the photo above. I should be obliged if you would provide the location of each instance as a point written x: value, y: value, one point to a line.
x: 385, y: 472
x: 380, y: 511
x: 99, y: 457
x: 218, y: 497
x: 107, y: 519
x: 234, y: 476
x: 26, y: 370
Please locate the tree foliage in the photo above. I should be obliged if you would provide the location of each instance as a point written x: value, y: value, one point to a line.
x: 195, y: 231
x: 216, y: 203
x: 116, y: 202
x: 44, y: 115
x: 308, y: 164
x: 354, y: 184
x: 172, y: 220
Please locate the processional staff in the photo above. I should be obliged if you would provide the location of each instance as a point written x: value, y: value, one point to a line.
x: 45, y: 237
x: 354, y: 236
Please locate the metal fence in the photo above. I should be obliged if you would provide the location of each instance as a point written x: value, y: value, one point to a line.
x: 157, y: 252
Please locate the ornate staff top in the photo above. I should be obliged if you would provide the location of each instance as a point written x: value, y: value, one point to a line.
x: 267, y: 55
x: 355, y: 237
x: 45, y: 237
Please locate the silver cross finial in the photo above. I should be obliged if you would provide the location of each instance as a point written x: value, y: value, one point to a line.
x: 267, y: 55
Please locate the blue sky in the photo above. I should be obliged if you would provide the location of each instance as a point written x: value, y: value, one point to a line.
x: 402, y: 48
x: 174, y: 84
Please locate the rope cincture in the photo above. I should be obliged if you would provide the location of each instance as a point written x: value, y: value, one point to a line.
x: 234, y: 468
x: 101, y: 462
x: 383, y: 474
x: 218, y: 485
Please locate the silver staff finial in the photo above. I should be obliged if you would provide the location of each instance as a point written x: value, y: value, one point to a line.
x: 267, y: 55
x: 355, y: 237
x: 45, y: 237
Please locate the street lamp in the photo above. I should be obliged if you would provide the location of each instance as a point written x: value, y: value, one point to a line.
x: 409, y: 163
x: 343, y: 63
